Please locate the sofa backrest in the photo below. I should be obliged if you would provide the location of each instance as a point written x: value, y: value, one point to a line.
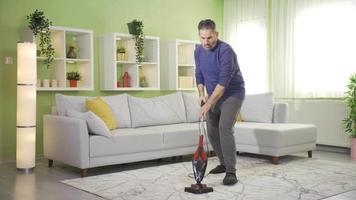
x: 167, y: 109
x: 117, y: 103
x: 255, y: 108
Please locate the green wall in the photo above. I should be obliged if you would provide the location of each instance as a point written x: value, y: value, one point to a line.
x: 167, y: 19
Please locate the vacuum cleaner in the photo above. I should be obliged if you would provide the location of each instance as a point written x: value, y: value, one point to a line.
x: 199, y: 162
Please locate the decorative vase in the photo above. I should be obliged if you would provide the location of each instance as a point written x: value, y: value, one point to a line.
x: 353, y: 149
x: 54, y: 83
x: 73, y: 83
x: 126, y: 80
x: 45, y: 83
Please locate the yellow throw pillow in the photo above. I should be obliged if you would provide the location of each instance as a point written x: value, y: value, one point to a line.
x: 238, y: 118
x: 102, y: 110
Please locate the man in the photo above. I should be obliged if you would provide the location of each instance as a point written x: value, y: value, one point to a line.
x: 218, y: 72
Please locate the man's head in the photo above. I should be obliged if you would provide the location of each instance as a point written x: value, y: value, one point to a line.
x: 207, y: 33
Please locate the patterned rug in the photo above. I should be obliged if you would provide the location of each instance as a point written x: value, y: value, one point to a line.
x: 294, y: 178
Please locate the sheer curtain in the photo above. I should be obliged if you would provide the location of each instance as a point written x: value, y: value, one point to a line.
x: 313, y: 47
x: 245, y: 29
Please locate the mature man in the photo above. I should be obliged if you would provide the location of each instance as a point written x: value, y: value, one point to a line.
x: 218, y: 72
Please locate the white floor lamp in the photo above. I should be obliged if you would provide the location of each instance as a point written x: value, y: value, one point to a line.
x: 26, y: 106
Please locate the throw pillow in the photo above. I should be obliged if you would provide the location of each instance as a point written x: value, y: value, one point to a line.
x: 258, y: 108
x: 238, y: 118
x: 102, y: 110
x: 94, y: 123
x: 66, y: 102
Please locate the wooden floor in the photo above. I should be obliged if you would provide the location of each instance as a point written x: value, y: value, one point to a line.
x: 44, y: 183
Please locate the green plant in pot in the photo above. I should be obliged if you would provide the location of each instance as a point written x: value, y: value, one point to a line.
x: 73, y: 77
x: 136, y: 29
x: 39, y: 25
x: 349, y: 123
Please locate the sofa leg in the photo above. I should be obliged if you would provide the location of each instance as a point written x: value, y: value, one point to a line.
x: 83, y: 172
x: 310, y: 154
x: 237, y: 153
x: 275, y: 160
x: 50, y: 163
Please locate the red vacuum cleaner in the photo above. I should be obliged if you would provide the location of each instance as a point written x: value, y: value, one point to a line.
x: 200, y: 162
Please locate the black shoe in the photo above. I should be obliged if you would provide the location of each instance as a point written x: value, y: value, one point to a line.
x: 230, y: 179
x: 218, y: 170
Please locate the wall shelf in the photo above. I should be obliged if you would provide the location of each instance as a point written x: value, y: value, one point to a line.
x: 62, y: 38
x: 113, y: 65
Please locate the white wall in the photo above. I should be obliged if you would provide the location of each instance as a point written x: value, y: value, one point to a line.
x: 327, y: 115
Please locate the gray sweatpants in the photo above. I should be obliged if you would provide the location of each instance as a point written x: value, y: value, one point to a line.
x: 221, y: 119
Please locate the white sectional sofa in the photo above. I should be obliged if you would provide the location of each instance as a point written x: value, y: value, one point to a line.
x: 158, y: 127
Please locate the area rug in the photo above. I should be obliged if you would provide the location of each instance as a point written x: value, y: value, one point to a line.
x: 294, y: 178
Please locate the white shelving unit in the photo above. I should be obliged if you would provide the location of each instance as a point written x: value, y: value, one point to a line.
x: 181, y: 65
x: 62, y: 38
x: 113, y: 66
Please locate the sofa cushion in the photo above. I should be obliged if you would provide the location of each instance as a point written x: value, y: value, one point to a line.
x: 168, y: 109
x: 257, y: 108
x: 178, y: 135
x: 126, y: 140
x: 94, y: 123
x: 192, y: 108
x: 120, y: 108
x: 102, y: 110
x: 274, y: 135
x: 66, y: 102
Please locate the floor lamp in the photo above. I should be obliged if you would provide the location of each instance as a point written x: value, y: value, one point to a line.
x: 26, y: 107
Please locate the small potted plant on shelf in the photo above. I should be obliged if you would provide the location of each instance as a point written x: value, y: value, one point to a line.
x: 136, y: 29
x: 39, y: 25
x: 73, y: 77
x: 349, y: 123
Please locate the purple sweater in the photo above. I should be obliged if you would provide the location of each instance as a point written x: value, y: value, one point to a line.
x: 219, y: 66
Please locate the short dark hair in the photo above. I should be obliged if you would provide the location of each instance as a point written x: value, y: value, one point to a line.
x: 206, y: 24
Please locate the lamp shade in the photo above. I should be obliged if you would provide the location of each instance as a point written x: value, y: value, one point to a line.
x: 26, y: 106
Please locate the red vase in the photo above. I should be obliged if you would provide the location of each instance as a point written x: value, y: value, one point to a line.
x: 73, y: 83
x: 353, y: 149
x: 126, y: 80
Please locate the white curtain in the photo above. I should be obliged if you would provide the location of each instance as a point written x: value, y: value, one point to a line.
x: 313, y: 47
x: 245, y: 29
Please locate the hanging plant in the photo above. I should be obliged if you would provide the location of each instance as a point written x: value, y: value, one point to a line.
x: 349, y: 123
x: 39, y: 25
x: 136, y: 29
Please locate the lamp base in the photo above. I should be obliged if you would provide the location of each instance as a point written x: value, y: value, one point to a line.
x: 25, y: 170
x: 198, y: 189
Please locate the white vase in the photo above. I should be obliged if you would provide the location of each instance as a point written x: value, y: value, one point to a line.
x: 45, y: 83
x: 54, y: 83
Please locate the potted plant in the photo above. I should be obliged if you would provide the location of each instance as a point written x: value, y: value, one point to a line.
x: 136, y: 29
x: 349, y: 123
x: 73, y: 77
x: 39, y: 25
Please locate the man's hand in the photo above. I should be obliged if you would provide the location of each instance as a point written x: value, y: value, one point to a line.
x: 204, y: 110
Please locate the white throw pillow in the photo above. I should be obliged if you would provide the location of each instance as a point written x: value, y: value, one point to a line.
x: 257, y: 108
x: 65, y: 102
x: 120, y: 108
x: 95, y: 124
x: 192, y: 108
x: 168, y: 109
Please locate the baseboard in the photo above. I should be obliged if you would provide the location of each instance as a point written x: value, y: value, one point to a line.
x: 330, y: 148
